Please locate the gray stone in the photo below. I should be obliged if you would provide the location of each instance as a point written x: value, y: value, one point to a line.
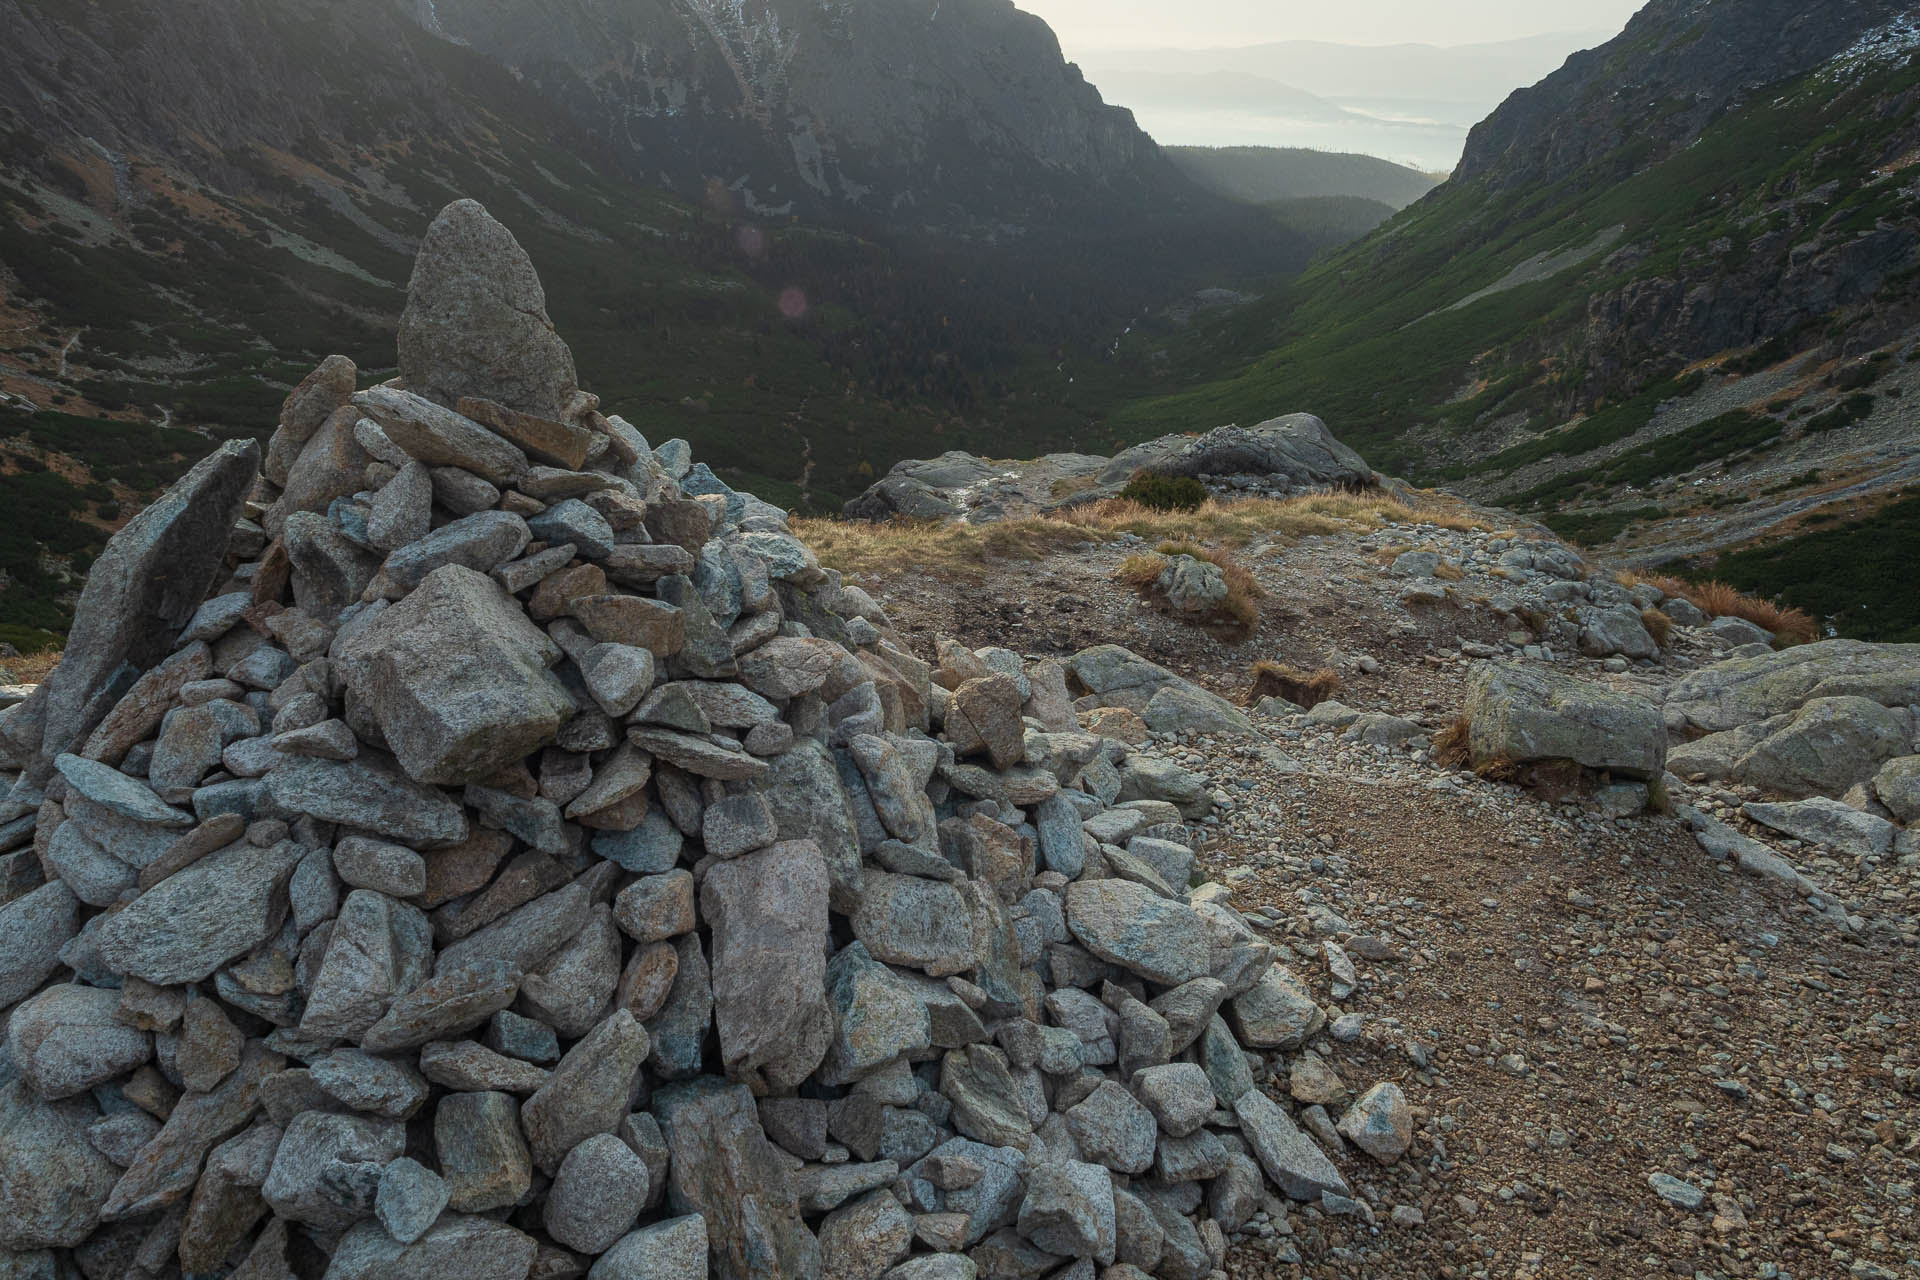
x: 370, y: 795
x: 1827, y: 822
x: 589, y: 1093
x: 618, y: 676
x: 983, y: 718
x: 362, y: 1082
x: 1178, y: 1094
x: 1113, y: 1129
x: 464, y: 1066
x: 69, y: 1038
x: 330, y: 571
x: 876, y: 1017
x: 457, y: 679
x: 938, y: 1266
x: 1277, y: 1012
x: 1744, y: 690
x: 470, y: 1248
x: 402, y: 512
x: 651, y: 848
x: 380, y: 948
x: 809, y: 802
x: 1380, y: 1123
x: 1068, y: 1211
x: 483, y: 1156
x: 572, y: 988
x: 96, y: 877
x: 679, y: 1030
x: 524, y: 936
x: 1615, y: 629
x: 409, y: 1200
x: 861, y: 1240
x: 476, y: 321
x: 672, y: 1250
x: 1291, y: 1159
x: 576, y: 522
x: 326, y: 1172
x: 724, y: 1169
x: 597, y: 1195
x: 1829, y: 745
x: 198, y: 919
x: 820, y: 1188
x: 144, y: 588
x: 987, y: 1105
x: 391, y: 869
x: 653, y: 908
x: 923, y: 924
x: 481, y: 542
x: 1898, y: 787
x: 699, y: 756
x: 787, y: 667
x: 1522, y: 715
x: 768, y: 914
x: 1679, y: 1194
x: 738, y: 824
x: 53, y: 1184
x: 113, y: 790
x: 1131, y: 926
x: 164, y: 1171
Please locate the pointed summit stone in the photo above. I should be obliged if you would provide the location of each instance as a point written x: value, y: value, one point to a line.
x: 476, y: 320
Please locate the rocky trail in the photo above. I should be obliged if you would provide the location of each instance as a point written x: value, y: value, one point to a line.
x: 1576, y: 1004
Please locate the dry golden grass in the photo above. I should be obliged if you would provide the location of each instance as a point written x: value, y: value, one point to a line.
x: 1658, y: 625
x: 1243, y: 593
x: 1293, y: 684
x: 1142, y: 572
x: 1448, y: 571
x: 963, y: 551
x: 1450, y: 745
x: 1720, y: 600
x: 32, y: 669
x: 951, y: 552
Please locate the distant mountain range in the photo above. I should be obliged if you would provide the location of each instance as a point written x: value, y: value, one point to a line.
x: 1262, y: 175
x: 1410, y: 102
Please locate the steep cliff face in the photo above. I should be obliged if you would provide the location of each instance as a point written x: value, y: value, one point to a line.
x: 1678, y: 66
x: 929, y: 109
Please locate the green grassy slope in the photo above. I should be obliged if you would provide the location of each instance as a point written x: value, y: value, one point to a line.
x: 1366, y: 338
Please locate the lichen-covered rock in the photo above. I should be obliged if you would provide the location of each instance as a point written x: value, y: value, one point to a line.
x: 1523, y: 715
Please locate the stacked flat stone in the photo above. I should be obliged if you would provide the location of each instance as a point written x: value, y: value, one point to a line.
x: 485, y: 845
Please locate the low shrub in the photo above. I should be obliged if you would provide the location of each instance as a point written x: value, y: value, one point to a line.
x: 1165, y: 493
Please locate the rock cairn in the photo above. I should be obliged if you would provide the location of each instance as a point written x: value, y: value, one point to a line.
x: 485, y: 845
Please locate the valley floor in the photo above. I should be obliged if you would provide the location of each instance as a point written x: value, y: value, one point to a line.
x: 1573, y: 1003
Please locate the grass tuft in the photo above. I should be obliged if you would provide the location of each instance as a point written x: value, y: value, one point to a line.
x: 1721, y: 600
x: 1658, y: 625
x: 1450, y: 745
x: 1292, y: 684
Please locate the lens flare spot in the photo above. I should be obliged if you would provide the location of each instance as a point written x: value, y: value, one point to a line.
x: 793, y: 303
x: 752, y: 241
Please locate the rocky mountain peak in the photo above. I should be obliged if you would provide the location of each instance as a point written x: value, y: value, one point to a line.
x: 1677, y: 66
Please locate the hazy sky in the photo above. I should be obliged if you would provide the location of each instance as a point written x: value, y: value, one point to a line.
x: 1087, y: 25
